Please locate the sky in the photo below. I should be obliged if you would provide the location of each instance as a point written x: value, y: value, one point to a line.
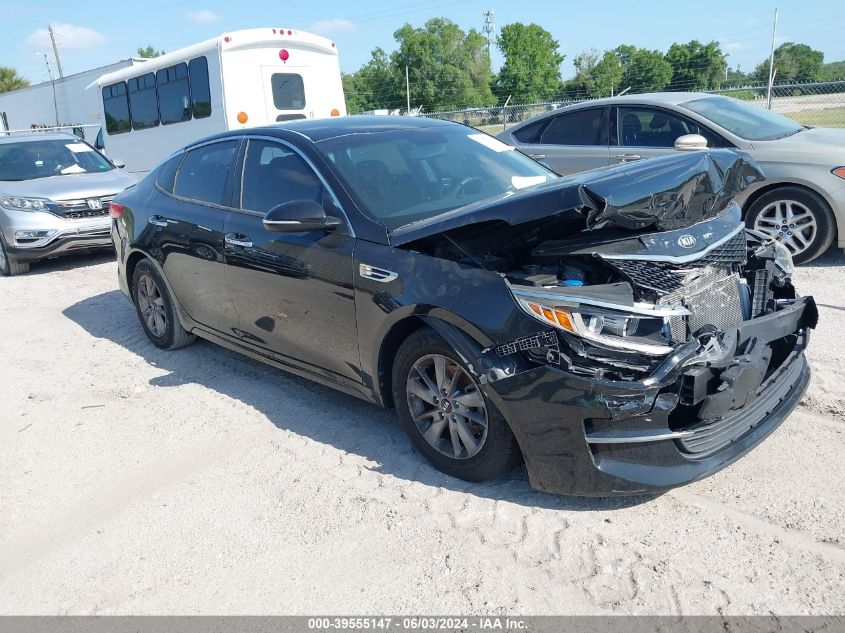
x: 92, y: 34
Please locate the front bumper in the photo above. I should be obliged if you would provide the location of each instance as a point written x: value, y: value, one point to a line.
x: 594, y: 437
x: 68, y: 238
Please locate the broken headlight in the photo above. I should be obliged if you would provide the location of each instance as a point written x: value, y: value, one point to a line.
x: 638, y: 329
x: 783, y: 259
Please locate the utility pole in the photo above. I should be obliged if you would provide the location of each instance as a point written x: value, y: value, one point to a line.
x: 772, y: 62
x: 408, y: 89
x: 53, y: 83
x: 489, y: 28
x: 55, y: 51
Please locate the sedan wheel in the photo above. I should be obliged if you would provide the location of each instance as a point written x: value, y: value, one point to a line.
x: 156, y: 308
x: 445, y: 414
x: 447, y: 407
x: 796, y: 217
x: 151, y: 304
x: 789, y: 222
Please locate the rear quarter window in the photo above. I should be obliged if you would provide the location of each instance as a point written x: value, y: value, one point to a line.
x: 167, y: 173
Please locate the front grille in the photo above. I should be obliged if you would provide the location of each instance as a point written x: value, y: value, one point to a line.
x: 734, y: 251
x: 80, y: 210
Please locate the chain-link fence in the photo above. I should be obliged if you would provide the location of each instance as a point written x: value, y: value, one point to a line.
x: 87, y: 132
x: 815, y: 104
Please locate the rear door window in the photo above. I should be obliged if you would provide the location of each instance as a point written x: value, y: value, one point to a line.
x: 204, y: 173
x: 581, y: 127
x: 288, y: 91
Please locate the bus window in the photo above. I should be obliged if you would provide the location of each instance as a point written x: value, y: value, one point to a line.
x: 200, y: 93
x: 143, y: 106
x: 288, y: 91
x: 116, y: 108
x: 173, y: 94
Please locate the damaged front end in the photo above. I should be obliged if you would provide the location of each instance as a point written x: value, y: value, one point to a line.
x: 668, y: 338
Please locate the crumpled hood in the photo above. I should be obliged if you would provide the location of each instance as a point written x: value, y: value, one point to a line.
x: 660, y: 194
x: 70, y: 186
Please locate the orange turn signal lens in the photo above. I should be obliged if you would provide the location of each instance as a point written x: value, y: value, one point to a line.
x: 555, y: 316
x: 242, y: 117
x: 335, y: 112
x: 565, y: 319
x: 839, y: 171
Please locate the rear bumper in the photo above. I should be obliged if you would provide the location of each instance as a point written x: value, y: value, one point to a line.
x: 583, y: 436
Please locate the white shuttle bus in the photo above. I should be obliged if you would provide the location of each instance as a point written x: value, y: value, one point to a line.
x: 238, y: 80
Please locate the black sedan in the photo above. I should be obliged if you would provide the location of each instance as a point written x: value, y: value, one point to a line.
x: 618, y: 331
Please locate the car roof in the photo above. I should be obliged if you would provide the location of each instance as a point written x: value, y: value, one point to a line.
x: 37, y: 136
x: 657, y: 98
x: 317, y: 130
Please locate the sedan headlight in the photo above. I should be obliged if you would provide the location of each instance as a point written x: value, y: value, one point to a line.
x: 636, y: 331
x: 23, y: 204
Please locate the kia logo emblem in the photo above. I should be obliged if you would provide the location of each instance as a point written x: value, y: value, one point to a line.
x: 686, y: 241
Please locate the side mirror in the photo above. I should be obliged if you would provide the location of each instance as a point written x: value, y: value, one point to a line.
x: 298, y: 215
x: 690, y: 143
x: 119, y: 163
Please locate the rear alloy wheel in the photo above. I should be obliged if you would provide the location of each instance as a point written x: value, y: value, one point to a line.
x: 156, y: 309
x: 796, y: 218
x: 446, y: 415
x: 8, y: 266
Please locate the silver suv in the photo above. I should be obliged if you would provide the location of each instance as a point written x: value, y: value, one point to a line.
x: 54, y: 195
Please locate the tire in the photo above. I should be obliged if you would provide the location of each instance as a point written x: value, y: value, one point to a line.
x: 807, y: 238
x: 491, y: 451
x: 9, y: 267
x: 156, y: 309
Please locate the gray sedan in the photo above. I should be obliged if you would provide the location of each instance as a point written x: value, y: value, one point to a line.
x: 802, y: 201
x: 54, y: 195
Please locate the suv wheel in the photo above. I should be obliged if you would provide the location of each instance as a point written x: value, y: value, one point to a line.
x: 797, y: 218
x: 446, y: 415
x: 9, y: 267
x: 156, y: 309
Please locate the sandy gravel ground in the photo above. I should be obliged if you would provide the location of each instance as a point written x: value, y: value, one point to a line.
x: 139, y: 481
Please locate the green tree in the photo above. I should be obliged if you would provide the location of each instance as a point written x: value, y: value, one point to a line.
x: 696, y: 66
x: 643, y: 70
x: 596, y: 76
x: 736, y: 77
x: 11, y: 80
x: 794, y: 63
x: 833, y: 71
x: 531, y: 71
x: 149, y: 52
x: 449, y: 69
x: 375, y: 86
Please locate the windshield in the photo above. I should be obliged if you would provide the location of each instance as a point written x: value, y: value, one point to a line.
x: 403, y: 176
x: 29, y: 160
x: 747, y: 121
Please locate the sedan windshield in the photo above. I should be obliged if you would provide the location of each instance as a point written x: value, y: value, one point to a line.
x: 29, y: 160
x: 747, y: 121
x: 403, y: 176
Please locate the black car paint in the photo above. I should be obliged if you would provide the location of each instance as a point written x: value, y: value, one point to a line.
x: 296, y: 301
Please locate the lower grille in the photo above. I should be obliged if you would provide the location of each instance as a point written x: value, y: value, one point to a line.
x: 78, y: 215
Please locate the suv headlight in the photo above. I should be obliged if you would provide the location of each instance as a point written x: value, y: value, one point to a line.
x: 783, y: 259
x: 23, y: 204
x: 639, y: 330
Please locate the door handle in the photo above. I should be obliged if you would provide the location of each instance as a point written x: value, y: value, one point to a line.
x: 537, y: 156
x: 157, y: 220
x: 628, y: 157
x: 236, y: 239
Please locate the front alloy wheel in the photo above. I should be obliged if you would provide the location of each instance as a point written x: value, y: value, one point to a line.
x: 796, y: 217
x: 790, y: 223
x: 447, y: 406
x: 446, y: 415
